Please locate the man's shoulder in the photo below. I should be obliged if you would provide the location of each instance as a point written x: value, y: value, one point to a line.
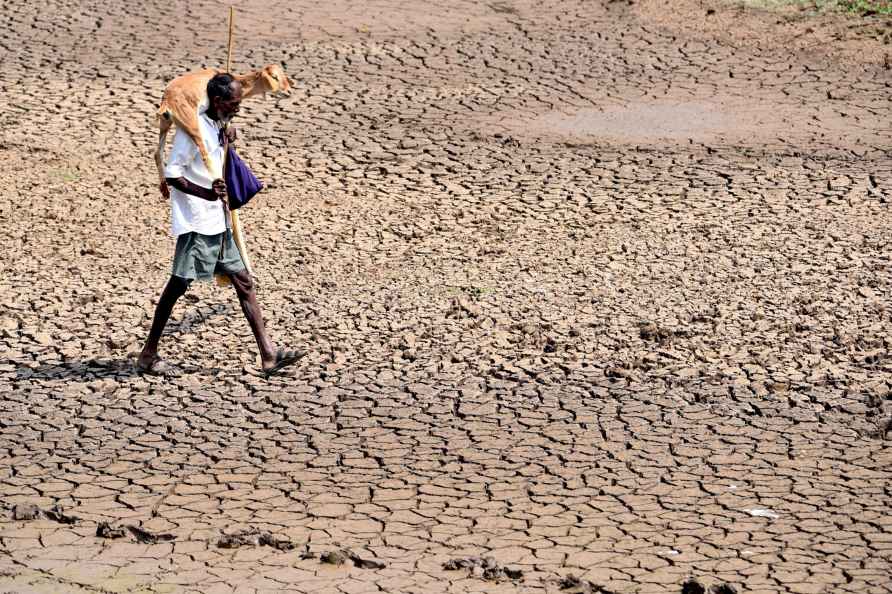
x: 210, y: 128
x: 207, y: 128
x: 204, y: 118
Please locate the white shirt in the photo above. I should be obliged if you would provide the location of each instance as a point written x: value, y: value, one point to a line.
x: 191, y: 213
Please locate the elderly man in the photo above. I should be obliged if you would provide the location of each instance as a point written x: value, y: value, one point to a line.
x: 200, y: 222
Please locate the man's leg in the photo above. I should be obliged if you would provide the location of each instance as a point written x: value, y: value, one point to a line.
x: 175, y: 288
x: 247, y: 297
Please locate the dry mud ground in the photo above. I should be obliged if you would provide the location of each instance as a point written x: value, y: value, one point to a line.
x: 592, y: 288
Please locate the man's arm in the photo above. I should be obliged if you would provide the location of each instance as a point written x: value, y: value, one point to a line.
x: 217, y: 192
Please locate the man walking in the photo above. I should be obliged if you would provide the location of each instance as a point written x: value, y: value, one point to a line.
x: 204, y: 240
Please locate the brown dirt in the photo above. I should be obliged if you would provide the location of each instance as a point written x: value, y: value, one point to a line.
x: 589, y: 288
x: 794, y: 27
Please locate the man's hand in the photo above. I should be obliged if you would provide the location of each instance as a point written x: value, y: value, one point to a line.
x: 231, y: 134
x: 219, y: 188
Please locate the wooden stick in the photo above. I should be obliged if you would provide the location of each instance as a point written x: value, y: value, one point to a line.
x: 231, y: 26
x: 235, y: 224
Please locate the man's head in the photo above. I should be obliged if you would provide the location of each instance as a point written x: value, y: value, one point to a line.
x: 225, y: 96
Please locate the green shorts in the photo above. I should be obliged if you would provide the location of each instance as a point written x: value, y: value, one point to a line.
x: 200, y: 257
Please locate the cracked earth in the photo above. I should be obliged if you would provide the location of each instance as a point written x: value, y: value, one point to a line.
x: 596, y: 299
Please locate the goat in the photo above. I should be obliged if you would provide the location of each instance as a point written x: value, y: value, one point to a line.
x: 187, y: 94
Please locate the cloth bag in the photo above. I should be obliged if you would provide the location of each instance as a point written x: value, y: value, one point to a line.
x: 241, y: 183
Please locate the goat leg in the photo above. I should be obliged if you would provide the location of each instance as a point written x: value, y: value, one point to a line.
x: 159, y: 157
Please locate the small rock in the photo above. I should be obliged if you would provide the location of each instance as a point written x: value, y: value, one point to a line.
x: 866, y: 292
x: 617, y: 372
x: 334, y: 557
x: 884, y: 426
x: 692, y: 586
x: 146, y: 537
x: 25, y: 511
x: 484, y: 568
x: 281, y: 544
x: 513, y: 574
x: 461, y: 307
x: 454, y: 564
x: 650, y: 331
x: 408, y: 341
x: 56, y: 514
x: 366, y: 563
x: 574, y: 585
x: 341, y: 556
x: 762, y: 513
x: 245, y: 538
x: 106, y: 530
x: 43, y: 338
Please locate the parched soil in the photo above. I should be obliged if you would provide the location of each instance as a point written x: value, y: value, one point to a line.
x: 590, y: 289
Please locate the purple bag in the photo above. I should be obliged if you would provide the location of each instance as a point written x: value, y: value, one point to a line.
x: 241, y: 183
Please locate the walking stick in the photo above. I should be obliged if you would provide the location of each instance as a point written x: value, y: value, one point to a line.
x: 237, y: 233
